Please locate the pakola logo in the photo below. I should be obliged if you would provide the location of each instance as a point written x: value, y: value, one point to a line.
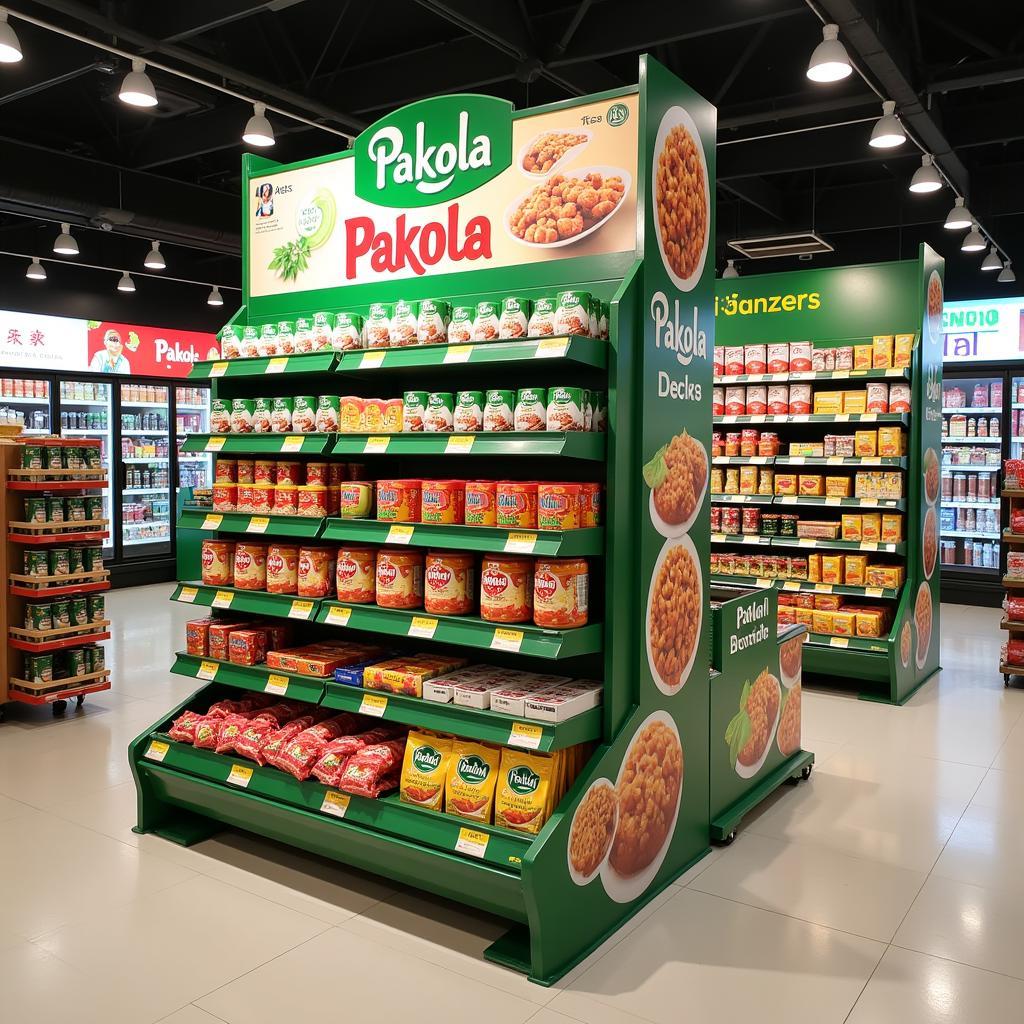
x: 426, y: 759
x: 473, y: 769
x: 433, y: 151
x: 523, y: 780
x: 733, y: 305
x: 686, y: 340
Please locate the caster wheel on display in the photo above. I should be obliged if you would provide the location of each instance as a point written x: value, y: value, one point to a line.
x: 59, y: 707
x: 80, y: 700
x: 730, y: 838
x: 805, y: 772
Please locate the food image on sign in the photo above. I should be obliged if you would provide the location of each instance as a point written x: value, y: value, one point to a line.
x: 677, y: 475
x: 905, y: 641
x: 544, y: 152
x: 923, y: 621
x: 592, y: 831
x: 931, y: 476
x: 674, y: 612
x: 565, y: 209
x: 681, y: 198
x: 934, y: 305
x: 791, y: 655
x: 929, y: 543
x: 788, y: 735
x: 752, y: 729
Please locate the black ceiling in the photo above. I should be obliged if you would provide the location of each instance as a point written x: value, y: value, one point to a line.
x: 789, y: 159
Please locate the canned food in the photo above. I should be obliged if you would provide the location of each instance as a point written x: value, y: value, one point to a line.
x: 262, y: 415
x: 394, y: 413
x: 517, y: 504
x: 373, y: 415
x: 318, y: 473
x: 218, y: 557
x: 286, y: 331
x: 542, y: 323
x: 414, y: 411
x: 316, y: 572
x: 356, y: 574
x: 377, y: 327
x: 751, y: 520
x: 241, y: 415
x: 440, y: 415
x: 35, y: 510
x: 250, y: 566
x: 481, y: 503
x: 97, y: 610
x: 355, y: 499
x: 263, y: 498
x: 75, y: 509
x: 403, y: 323
x: 560, y: 593
x: 281, y: 415
x: 246, y: 498
x: 225, y: 471
x: 225, y: 497
x: 399, y: 501
x: 515, y: 317
x: 336, y: 473
x: 220, y: 416
x: 347, y: 333
x: 79, y: 611
x: 55, y: 509
x: 449, y: 583
x: 559, y: 506
x: 282, y: 569
x: 328, y: 413
x: 399, y: 578
x: 76, y: 561
x: 443, y: 501
x: 60, y: 611
x: 499, y: 413
x: 304, y: 408
x: 312, y: 501
x: 506, y: 589
x: 59, y: 561
x: 592, y: 505
x: 432, y: 322
x: 39, y: 668
x: 31, y: 456
x: 469, y: 411
x: 460, y: 326
x: 39, y: 617
x: 53, y: 457
x: 74, y: 662
x: 36, y: 563
x: 531, y: 412
x: 95, y: 659
x: 246, y: 469
x: 264, y: 471
x: 486, y: 321
x: 566, y: 409
x: 572, y: 315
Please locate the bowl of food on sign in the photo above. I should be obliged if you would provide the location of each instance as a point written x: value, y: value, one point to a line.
x: 751, y: 730
x: 592, y: 831
x: 545, y: 153
x: 677, y: 475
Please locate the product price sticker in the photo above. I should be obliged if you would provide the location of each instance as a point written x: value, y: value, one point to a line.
x: 300, y: 610
x: 292, y: 443
x: 157, y: 750
x: 472, y: 842
x: 422, y: 626
x: 188, y: 594
x: 839, y: 641
x: 372, y: 359
x: 338, y: 616
x: 834, y: 460
x: 800, y: 417
x: 872, y: 591
x: 787, y: 499
x: 871, y: 545
x: 207, y: 671
x: 218, y: 369
x: 239, y: 775
x: 277, y: 365
x: 796, y: 460
x: 335, y: 803
x: 524, y: 543
x: 376, y: 445
x: 807, y: 542
x: 223, y: 599
x: 833, y: 501
x: 215, y: 444
x: 869, y: 502
x: 840, y: 374
x: 212, y: 521
x: 373, y: 704
x: 276, y: 684
x: 507, y: 640
x: 399, y: 533
x: 525, y: 734
x: 868, y: 417
x: 791, y: 585
x: 458, y: 354
x: 459, y: 444
x: 551, y: 348
x: 842, y: 417
x: 764, y: 583
x: 823, y: 588
x: 258, y: 524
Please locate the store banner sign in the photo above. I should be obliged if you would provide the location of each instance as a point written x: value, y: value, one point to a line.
x: 450, y: 184
x: 31, y: 341
x: 983, y: 331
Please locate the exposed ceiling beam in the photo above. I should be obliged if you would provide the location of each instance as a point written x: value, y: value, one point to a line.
x: 779, y: 109
x: 978, y: 75
x: 759, y: 193
x: 961, y: 33
x: 184, y: 19
x: 753, y: 45
x: 48, y: 82
x: 985, y: 123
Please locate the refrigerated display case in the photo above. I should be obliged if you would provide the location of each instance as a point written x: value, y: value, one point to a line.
x: 85, y: 412
x: 26, y: 401
x: 145, y: 445
x: 192, y: 416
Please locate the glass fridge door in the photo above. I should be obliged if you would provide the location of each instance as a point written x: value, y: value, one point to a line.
x: 146, y: 474
x: 192, y: 416
x: 85, y: 412
x: 26, y: 401
x: 972, y: 440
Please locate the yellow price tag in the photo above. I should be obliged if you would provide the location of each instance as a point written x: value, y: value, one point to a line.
x: 258, y: 524
x: 422, y: 626
x: 218, y: 369
x: 399, y: 533
x: 839, y: 641
x: 868, y: 417
x: 188, y: 594
x: 791, y: 585
x: 872, y: 591
x: 300, y: 610
x: 215, y: 444
x: 276, y: 684
x: 521, y: 542
x: 551, y: 348
x: 459, y: 444
x: 376, y: 445
x: 807, y: 542
x: 373, y: 704
x: 472, y: 842
x: 335, y: 803
x: 292, y: 443
x: 869, y: 545
x: 212, y: 522
x: 840, y: 374
x: 719, y: 537
x: 337, y: 616
x: 834, y: 460
x: 372, y: 359
x: 842, y: 417
x: 833, y: 501
x: 869, y: 502
x: 157, y: 750
x: 208, y: 671
x: 762, y: 583
x: 525, y: 734
x: 239, y: 775
x: 507, y: 640
x: 458, y: 354
x: 223, y: 599
x: 823, y: 588
x: 277, y: 365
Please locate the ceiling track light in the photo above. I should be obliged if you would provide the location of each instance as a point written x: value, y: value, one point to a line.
x: 730, y: 269
x: 830, y: 62
x: 992, y: 260
x: 155, y: 259
x: 215, y: 298
x: 126, y: 284
x: 10, y: 47
x: 926, y: 178
x: 36, y: 271
x: 137, y: 88
x: 1006, y: 275
x: 959, y: 217
x: 974, y: 240
x: 258, y: 130
x: 888, y: 132
x: 65, y: 244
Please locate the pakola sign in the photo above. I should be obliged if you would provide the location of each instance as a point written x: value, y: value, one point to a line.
x: 433, y: 151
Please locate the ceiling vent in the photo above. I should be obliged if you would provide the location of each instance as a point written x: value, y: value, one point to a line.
x: 804, y: 243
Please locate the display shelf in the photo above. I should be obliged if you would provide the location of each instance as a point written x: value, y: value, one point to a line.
x: 996, y: 409
x: 740, y: 538
x: 1008, y: 492
x: 258, y: 444
x: 802, y: 586
x: 741, y: 499
x: 23, y: 400
x: 144, y: 433
x: 303, y: 363
x: 56, y: 485
x: 57, y: 538
x: 950, y: 503
x: 244, y: 522
x: 257, y: 678
x: 827, y: 502
x: 84, y: 431
x: 65, y: 400
x: 873, y: 645
x: 743, y: 460
x: 813, y: 375
x: 564, y: 349
x: 257, y: 602
x: 471, y: 723
x: 80, y: 582
x: 897, y: 462
x: 1011, y: 670
x: 65, y: 643
x: 819, y: 417
x: 464, y: 630
x: 129, y: 542
x: 1011, y: 627
x: 145, y: 459
x: 1012, y: 538
x: 969, y: 533
x: 192, y: 408
x: 955, y: 467
x: 839, y: 545
x: 38, y: 640
x: 572, y: 445
x: 968, y: 441
x: 1013, y: 581
x: 144, y: 405
x: 145, y: 490
x: 548, y: 543
x: 26, y: 694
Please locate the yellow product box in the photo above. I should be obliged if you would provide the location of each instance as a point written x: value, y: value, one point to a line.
x: 827, y: 602
x: 844, y: 623
x: 837, y: 486
x: 862, y: 355
x: 828, y: 401
x: 903, y: 348
x: 717, y: 481
x: 852, y: 529
x: 785, y: 483
x: 855, y: 401
x: 881, y: 351
x: 810, y: 449
x: 766, y: 481
x: 865, y: 443
x: 891, y: 485
x: 892, y: 442
x: 811, y: 485
x: 870, y: 622
x: 748, y: 479
x: 786, y: 616
x: 805, y: 616
x: 814, y: 568
x: 871, y: 526
x: 890, y: 576
x: 832, y: 568
x: 856, y: 570
x: 821, y: 622
x: 892, y: 528
x: 867, y: 483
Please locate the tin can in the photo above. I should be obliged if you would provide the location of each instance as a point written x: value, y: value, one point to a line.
x: 59, y: 561
x: 282, y: 569
x: 399, y: 501
x: 97, y: 609
x: 347, y: 333
x: 394, y: 413
x: 377, y: 326
x: 506, y: 589
x: 403, y: 323
x: 250, y: 566
x: 53, y: 455
x: 76, y: 561
x: 517, y: 504
x: 440, y: 414
x: 60, y: 611
x: 469, y: 411
x: 373, y: 414
x: 566, y: 409
x: 316, y: 571
x: 75, y: 509
x: 96, y: 660
x: 542, y: 322
x: 304, y: 408
x: 55, y: 509
x: 79, y: 611
x: 432, y: 322
x: 414, y: 411
x: 39, y: 617
x: 220, y: 416
x: 74, y: 662
x: 460, y: 326
x: 514, y: 319
x: 317, y: 473
x: 263, y: 498
x: 31, y: 456
x: 93, y: 558
x: 262, y: 413
x: 592, y: 504
x: 588, y: 410
x: 281, y: 415
x: 486, y: 320
x: 355, y: 499
x: 328, y: 414
x: 399, y: 578
x: 531, y: 411
x: 39, y: 668
x: 241, y: 415
x: 264, y: 471
x: 35, y: 510
x: 225, y: 497
x: 481, y: 503
x: 499, y: 412
x: 313, y: 501
x: 443, y: 501
x: 449, y: 583
x: 572, y: 314
x: 559, y: 506
x: 93, y: 508
x: 36, y: 563
x: 560, y: 593
x: 218, y: 557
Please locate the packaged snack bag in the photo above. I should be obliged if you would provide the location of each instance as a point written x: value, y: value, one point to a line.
x: 472, y: 775
x: 424, y: 769
x: 521, y: 797
x: 374, y: 770
x: 337, y: 753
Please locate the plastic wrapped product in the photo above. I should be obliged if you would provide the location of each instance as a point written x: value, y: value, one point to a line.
x: 374, y: 770
x: 231, y: 728
x: 276, y: 740
x: 183, y: 728
x: 299, y: 755
x: 207, y: 728
x: 337, y: 752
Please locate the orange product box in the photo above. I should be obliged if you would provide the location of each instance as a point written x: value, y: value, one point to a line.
x: 844, y: 623
x: 787, y: 598
x: 892, y: 528
x: 811, y: 484
x: 882, y: 351
x: 852, y: 528
x: 805, y: 616
x: 814, y: 568
x: 862, y: 355
x: 856, y: 570
x: 247, y: 646
x: 855, y: 401
x: 827, y: 602
x: 892, y: 442
x: 837, y: 486
x: 890, y: 576
x: 821, y: 622
x: 804, y: 600
x: 786, y: 617
x: 832, y: 568
x: 903, y: 348
x: 785, y: 483
x: 870, y: 622
x: 197, y: 637
x: 748, y: 480
x: 865, y: 443
x: 828, y: 401
x: 871, y: 526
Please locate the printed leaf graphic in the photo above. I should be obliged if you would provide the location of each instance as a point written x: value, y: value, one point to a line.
x: 93, y: 324
x: 737, y: 734
x: 656, y: 470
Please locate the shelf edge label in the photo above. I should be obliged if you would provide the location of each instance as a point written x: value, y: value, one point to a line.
x: 218, y: 369
x: 551, y: 348
x: 472, y: 842
x: 376, y: 445
x: 223, y: 599
x: 292, y: 443
x: 188, y: 594
x: 373, y: 704
x: 338, y: 616
x: 208, y: 671
x: 258, y: 524
x: 240, y: 775
x: 215, y: 444
x: 422, y: 626
x: 300, y: 609
x: 507, y: 640
x: 399, y: 533
x: 372, y: 359
x: 276, y: 684
x: 157, y: 750
x: 459, y: 444
x: 521, y: 542
x: 457, y: 354
x: 526, y: 735
x: 277, y: 365
x: 212, y: 521
x: 839, y: 641
x: 335, y: 803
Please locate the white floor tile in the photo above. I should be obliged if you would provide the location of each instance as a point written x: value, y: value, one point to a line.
x: 191, y: 1014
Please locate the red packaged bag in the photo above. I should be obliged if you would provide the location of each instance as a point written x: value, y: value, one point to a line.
x: 251, y: 739
x: 207, y: 728
x: 298, y: 757
x: 1014, y: 608
x: 367, y: 772
x: 280, y: 714
x: 336, y: 754
x: 276, y: 741
x: 1015, y: 652
x: 183, y: 728
x: 231, y: 727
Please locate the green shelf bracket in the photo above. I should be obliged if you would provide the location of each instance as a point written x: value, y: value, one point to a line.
x: 243, y: 522
x: 256, y: 678
x: 256, y: 602
x: 313, y: 362
x: 572, y: 445
x: 258, y: 444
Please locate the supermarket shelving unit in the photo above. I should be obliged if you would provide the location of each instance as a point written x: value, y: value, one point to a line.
x: 1012, y: 585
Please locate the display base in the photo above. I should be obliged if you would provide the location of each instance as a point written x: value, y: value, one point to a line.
x: 882, y: 698
x: 723, y: 828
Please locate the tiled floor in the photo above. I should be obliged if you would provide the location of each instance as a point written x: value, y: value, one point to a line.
x: 888, y: 888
